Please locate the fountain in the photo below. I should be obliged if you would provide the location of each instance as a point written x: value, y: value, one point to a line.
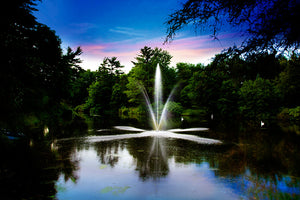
x: 158, y: 117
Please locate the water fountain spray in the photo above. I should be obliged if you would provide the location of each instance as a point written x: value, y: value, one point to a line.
x: 157, y: 114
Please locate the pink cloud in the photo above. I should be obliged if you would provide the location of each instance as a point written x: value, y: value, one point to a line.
x: 191, y: 49
x: 93, y: 49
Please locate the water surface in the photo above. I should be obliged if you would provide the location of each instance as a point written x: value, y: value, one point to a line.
x: 170, y: 168
x: 123, y: 165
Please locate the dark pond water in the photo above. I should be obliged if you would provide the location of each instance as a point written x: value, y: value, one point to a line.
x: 257, y: 165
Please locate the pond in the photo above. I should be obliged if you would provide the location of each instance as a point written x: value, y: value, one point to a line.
x: 101, y: 165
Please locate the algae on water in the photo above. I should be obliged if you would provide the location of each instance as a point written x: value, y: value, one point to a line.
x: 103, y: 166
x: 115, y: 190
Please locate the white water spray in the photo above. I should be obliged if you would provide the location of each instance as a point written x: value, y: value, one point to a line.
x: 158, y: 120
x: 158, y: 117
x: 158, y: 95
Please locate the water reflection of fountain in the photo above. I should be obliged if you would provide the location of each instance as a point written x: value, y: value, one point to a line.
x: 157, y: 161
x: 152, y: 157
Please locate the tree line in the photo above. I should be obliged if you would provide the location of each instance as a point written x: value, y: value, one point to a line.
x: 41, y: 84
x: 259, y: 87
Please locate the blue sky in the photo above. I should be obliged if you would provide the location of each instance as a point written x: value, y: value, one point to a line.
x: 122, y: 27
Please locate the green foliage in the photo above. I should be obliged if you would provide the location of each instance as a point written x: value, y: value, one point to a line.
x: 195, y: 113
x: 118, y: 97
x: 133, y: 91
x: 290, y: 114
x: 258, y: 99
x: 106, y: 93
x: 185, y: 95
x: 39, y: 83
x: 288, y: 81
x: 205, y: 86
x: 254, y: 86
x: 184, y: 72
x: 111, y: 66
x: 295, y: 113
x: 80, y: 85
x: 143, y: 74
x: 133, y: 112
x: 175, y: 108
x: 228, y: 100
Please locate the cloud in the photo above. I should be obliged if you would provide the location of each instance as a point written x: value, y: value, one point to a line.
x: 93, y: 54
x: 127, y: 31
x: 194, y: 50
x: 94, y: 49
x: 80, y: 28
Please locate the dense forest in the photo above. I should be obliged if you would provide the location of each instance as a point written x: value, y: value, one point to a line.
x: 42, y: 84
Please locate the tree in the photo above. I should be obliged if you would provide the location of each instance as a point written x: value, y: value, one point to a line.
x: 184, y: 73
x: 144, y: 70
x: 288, y: 81
x: 266, y: 65
x: 227, y: 103
x: 268, y: 24
x: 213, y: 88
x: 99, y: 97
x: 259, y: 99
x: 35, y: 76
x: 102, y: 93
x: 118, y: 97
x: 80, y: 85
x: 204, y: 89
x: 111, y: 66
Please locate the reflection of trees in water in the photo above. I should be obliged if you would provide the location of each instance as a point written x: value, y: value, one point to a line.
x: 151, y: 157
x: 68, y: 160
x: 262, y: 155
x: 258, y: 164
x: 108, y: 151
x: 262, y: 163
x: 254, y: 158
x: 30, y: 172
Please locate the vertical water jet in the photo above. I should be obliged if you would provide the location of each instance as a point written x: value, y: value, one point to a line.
x: 158, y: 112
x: 158, y: 95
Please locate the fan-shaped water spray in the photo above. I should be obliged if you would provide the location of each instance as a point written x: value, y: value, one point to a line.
x: 158, y: 115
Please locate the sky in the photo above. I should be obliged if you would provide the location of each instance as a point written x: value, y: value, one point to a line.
x: 120, y: 28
